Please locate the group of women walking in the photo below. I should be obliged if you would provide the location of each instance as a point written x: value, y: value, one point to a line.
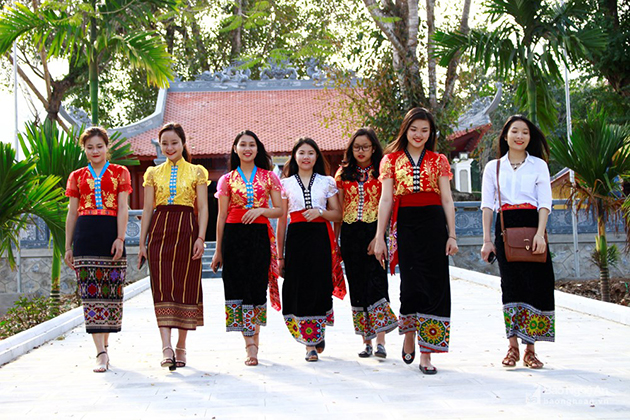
x: 402, y: 193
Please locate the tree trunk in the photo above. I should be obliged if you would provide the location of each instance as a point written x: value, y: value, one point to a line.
x: 403, y: 36
x: 451, y: 71
x: 93, y: 69
x: 602, y: 248
x: 237, y: 34
x: 430, y: 57
x: 55, y: 286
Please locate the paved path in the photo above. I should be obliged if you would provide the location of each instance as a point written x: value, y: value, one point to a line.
x: 587, y: 372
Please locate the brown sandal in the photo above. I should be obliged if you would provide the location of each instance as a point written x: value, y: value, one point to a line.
x: 511, y: 357
x: 251, y: 360
x: 531, y: 361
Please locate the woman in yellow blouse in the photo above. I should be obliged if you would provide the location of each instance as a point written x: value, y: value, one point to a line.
x: 177, y: 190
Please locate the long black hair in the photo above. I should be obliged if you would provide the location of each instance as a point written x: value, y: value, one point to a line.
x: 177, y: 129
x: 537, y: 146
x: 262, y: 159
x: 401, y: 140
x: 321, y: 164
x: 349, y: 165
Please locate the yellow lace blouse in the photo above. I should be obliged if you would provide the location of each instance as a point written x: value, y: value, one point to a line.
x: 188, y: 177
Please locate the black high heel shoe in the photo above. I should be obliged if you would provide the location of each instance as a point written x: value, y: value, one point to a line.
x: 169, y: 362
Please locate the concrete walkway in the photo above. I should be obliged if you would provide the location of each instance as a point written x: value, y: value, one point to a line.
x: 587, y: 372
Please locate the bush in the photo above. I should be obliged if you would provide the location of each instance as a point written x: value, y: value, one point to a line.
x: 28, y: 312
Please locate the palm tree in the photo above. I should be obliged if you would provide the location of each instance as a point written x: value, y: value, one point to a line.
x: 96, y: 32
x: 58, y: 153
x: 599, y: 153
x: 24, y: 193
x: 526, y: 45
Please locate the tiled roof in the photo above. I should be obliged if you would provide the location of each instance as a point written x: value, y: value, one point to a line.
x: 211, y: 120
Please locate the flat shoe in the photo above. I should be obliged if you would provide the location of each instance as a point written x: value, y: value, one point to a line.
x: 427, y: 370
x: 320, y: 346
x: 380, y: 351
x: 367, y: 352
x: 408, y: 357
x: 311, y: 356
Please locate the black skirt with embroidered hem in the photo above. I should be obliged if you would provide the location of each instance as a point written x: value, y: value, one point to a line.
x: 99, y: 277
x: 175, y: 276
x: 425, y: 293
x: 307, y: 288
x: 246, y: 258
x: 528, y: 288
x: 367, y: 280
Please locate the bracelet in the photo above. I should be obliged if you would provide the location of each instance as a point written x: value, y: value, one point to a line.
x: 122, y: 239
x: 452, y: 237
x: 543, y: 238
x: 68, y: 249
x: 487, y: 242
x: 202, y: 239
x: 321, y: 212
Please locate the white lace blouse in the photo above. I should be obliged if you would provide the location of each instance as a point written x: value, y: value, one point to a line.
x: 322, y: 188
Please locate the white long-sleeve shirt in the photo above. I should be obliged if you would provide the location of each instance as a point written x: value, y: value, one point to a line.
x: 530, y: 183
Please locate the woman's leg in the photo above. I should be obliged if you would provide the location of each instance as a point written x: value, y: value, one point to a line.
x: 167, y: 347
x: 102, y: 359
x: 180, y: 348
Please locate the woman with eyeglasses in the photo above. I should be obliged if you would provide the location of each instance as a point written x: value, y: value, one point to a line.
x: 359, y: 194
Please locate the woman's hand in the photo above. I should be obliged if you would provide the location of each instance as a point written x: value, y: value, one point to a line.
x: 142, y: 253
x: 486, y: 249
x: 380, y: 250
x: 117, y: 249
x: 217, y: 261
x: 311, y: 214
x: 539, y: 244
x: 252, y: 215
x: 198, y: 249
x: 451, y: 246
x: 370, y: 249
x: 69, y: 258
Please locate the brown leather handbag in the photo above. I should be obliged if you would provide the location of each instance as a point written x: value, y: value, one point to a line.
x: 519, y: 241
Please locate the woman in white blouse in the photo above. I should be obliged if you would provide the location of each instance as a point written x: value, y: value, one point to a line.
x: 311, y: 262
x: 527, y: 287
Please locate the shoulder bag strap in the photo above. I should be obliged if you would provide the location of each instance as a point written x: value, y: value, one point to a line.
x: 499, y: 194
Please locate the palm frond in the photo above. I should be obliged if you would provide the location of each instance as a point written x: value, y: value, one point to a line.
x: 145, y: 50
x: 24, y: 193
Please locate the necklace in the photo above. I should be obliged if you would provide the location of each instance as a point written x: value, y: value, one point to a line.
x: 516, y: 165
x: 364, y: 173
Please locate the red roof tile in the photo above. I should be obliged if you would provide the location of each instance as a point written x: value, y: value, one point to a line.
x: 211, y: 120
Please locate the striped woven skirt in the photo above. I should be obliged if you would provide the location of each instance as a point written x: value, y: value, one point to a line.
x: 100, y: 279
x: 175, y: 276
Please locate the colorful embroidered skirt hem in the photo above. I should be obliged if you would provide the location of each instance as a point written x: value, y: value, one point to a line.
x: 309, y: 330
x: 101, y: 282
x: 375, y: 319
x: 244, y: 318
x: 179, y: 315
x: 528, y: 323
x: 433, y: 331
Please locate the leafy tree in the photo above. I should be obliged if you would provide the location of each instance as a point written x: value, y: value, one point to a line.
x: 526, y: 41
x: 597, y: 187
x: 90, y: 35
x: 23, y: 192
x: 613, y: 60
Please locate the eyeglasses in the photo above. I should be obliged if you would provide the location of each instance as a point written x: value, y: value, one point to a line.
x: 357, y: 148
